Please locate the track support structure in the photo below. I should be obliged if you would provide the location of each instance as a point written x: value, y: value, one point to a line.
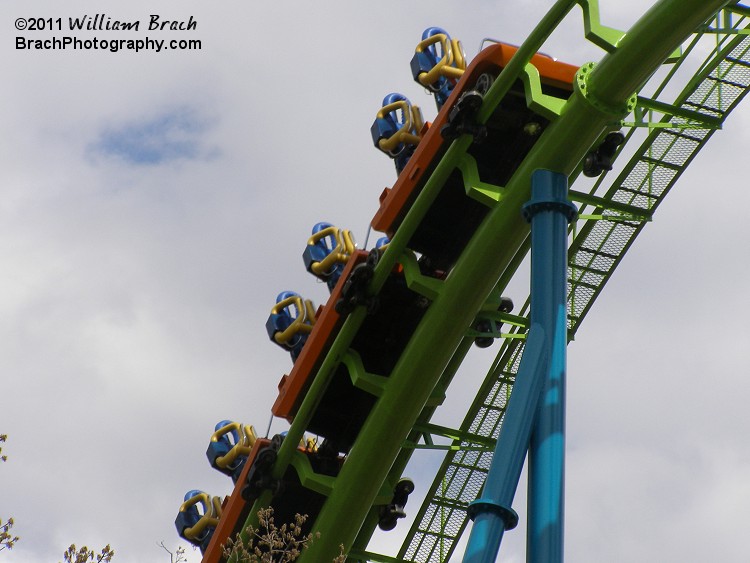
x: 535, y: 417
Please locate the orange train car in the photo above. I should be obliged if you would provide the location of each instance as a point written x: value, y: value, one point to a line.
x: 511, y: 131
x: 449, y: 224
x: 235, y: 509
x: 293, y: 387
x: 291, y: 495
x: 375, y: 349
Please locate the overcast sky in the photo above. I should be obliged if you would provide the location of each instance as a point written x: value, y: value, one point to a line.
x: 154, y: 203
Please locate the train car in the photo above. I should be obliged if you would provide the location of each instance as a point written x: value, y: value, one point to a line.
x: 294, y: 386
x: 208, y: 522
x: 234, y: 510
x: 451, y: 220
x: 471, y: 188
x: 377, y: 346
x: 499, y: 147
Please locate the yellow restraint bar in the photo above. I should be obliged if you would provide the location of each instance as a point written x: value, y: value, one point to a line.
x: 245, y: 443
x: 208, y: 519
x: 303, y: 323
x: 413, y: 121
x: 341, y: 253
x: 453, y: 63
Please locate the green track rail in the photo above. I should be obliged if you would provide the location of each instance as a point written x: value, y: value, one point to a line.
x: 616, y: 215
x: 604, y: 96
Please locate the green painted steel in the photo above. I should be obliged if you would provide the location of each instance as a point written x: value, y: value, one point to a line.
x: 657, y: 165
x: 597, y: 248
x: 418, y: 432
x: 604, y: 98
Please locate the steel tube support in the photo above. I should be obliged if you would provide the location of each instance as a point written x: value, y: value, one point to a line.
x: 492, y: 513
x: 550, y: 212
x: 538, y: 377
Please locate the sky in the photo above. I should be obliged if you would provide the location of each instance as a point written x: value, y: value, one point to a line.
x: 155, y: 203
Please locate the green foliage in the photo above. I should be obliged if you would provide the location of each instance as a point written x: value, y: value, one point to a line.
x: 271, y: 544
x: 7, y: 539
x: 85, y: 555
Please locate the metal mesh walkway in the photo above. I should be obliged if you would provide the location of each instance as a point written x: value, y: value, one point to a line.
x: 648, y: 177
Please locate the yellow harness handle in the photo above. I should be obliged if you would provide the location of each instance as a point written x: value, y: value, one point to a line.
x: 207, y: 519
x: 344, y: 248
x: 452, y: 52
x: 303, y: 323
x: 242, y: 447
x: 412, y: 121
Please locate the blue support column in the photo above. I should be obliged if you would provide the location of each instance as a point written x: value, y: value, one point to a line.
x: 548, y: 210
x: 492, y: 513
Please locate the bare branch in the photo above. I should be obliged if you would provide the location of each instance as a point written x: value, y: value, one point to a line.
x: 176, y: 557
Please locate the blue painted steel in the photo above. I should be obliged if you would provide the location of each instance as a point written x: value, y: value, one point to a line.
x: 549, y: 212
x: 492, y: 513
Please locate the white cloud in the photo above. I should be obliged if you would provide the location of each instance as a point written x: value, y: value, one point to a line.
x: 155, y: 203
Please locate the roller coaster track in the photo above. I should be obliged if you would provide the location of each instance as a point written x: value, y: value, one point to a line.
x: 598, y: 247
x: 612, y: 216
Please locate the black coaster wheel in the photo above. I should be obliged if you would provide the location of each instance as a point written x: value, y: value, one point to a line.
x: 259, y: 476
x: 484, y: 81
x: 392, y: 512
x: 354, y: 292
x: 489, y: 326
x: 506, y: 305
x: 462, y: 118
x: 402, y: 490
